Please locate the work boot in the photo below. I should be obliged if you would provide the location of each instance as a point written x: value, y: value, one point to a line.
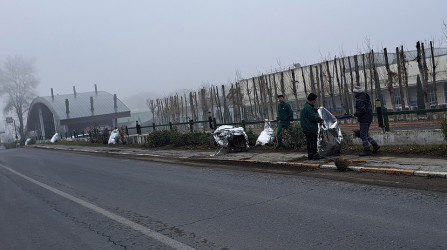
x: 365, y: 153
x: 375, y: 149
x: 317, y: 157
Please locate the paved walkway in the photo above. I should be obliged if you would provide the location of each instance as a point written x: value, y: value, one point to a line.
x: 421, y: 166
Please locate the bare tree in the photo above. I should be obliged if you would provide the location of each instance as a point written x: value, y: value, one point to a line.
x: 304, y: 81
x: 399, y: 75
x: 389, y: 83
x: 433, y: 72
x: 151, y: 105
x: 295, y: 90
x: 331, y: 87
x: 18, y: 83
x: 340, y: 92
x: 356, y: 68
x: 403, y: 60
x: 422, y: 73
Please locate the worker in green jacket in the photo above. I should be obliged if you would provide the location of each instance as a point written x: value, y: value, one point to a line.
x: 309, y: 120
x: 285, y: 117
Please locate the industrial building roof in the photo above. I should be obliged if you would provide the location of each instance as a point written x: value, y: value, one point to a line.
x: 80, y: 106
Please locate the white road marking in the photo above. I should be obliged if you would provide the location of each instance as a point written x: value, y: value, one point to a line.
x: 137, y: 227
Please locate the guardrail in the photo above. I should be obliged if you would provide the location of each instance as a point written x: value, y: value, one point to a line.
x: 387, y: 113
x: 212, y: 124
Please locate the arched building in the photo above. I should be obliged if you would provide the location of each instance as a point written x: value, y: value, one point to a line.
x: 77, y: 111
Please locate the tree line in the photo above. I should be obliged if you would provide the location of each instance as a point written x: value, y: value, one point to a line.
x: 332, y: 80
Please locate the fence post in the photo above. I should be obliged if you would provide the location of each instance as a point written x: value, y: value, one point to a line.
x: 243, y: 124
x: 138, y: 127
x: 385, y: 119
x: 191, y: 124
x: 170, y: 125
x: 214, y: 123
x: 127, y: 130
x: 210, y: 120
x: 153, y: 125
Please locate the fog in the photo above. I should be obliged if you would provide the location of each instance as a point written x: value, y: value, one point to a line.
x: 158, y: 47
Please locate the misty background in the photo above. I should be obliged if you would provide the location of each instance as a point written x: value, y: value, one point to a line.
x: 149, y: 49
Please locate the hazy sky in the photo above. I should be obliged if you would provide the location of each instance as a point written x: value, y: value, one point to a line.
x: 129, y: 47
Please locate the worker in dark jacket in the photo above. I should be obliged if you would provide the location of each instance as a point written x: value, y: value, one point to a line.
x: 285, y: 117
x: 309, y: 120
x: 364, y: 114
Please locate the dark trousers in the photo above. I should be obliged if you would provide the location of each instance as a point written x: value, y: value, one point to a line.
x: 312, y: 150
x: 366, y: 139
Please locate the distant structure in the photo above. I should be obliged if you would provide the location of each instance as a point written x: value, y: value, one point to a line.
x: 78, y: 111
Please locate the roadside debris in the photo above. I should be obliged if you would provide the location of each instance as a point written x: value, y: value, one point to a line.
x: 231, y: 138
x: 54, y: 138
x: 114, y: 137
x: 266, y: 135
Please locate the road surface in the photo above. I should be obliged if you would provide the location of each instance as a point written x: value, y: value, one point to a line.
x: 62, y: 200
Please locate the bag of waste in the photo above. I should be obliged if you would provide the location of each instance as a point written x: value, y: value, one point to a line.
x: 266, y: 135
x: 114, y: 136
x: 329, y: 134
x: 54, y: 138
x: 230, y: 137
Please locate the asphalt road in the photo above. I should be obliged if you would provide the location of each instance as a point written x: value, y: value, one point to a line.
x: 62, y: 200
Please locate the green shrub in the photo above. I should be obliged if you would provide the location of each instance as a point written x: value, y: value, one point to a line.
x: 293, y: 137
x: 444, y: 128
x: 252, y: 137
x: 99, y: 135
x: 160, y: 138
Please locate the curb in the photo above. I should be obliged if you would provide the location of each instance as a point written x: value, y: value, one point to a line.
x: 390, y: 171
x: 312, y: 166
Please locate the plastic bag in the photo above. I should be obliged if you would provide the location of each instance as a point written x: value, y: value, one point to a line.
x: 329, y: 134
x: 266, y: 135
x: 114, y: 136
x: 54, y: 138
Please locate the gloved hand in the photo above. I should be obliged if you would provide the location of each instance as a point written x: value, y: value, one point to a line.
x: 353, y: 116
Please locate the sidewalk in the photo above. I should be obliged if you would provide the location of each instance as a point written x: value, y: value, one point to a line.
x: 427, y: 166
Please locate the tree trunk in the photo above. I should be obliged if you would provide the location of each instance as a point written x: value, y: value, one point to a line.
x: 356, y: 68
x: 422, y: 73
x: 283, y: 88
x: 404, y: 68
x: 389, y: 84
x: 371, y: 75
x: 255, y: 99
x: 364, y: 73
x: 377, y: 81
x: 399, y: 74
x: 295, y: 91
x: 304, y: 81
x: 350, y: 73
x: 317, y: 75
x: 346, y: 102
x: 435, y: 88
x: 275, y: 87
x: 420, y: 94
x: 323, y: 92
x: 218, y: 104
x: 270, y: 94
x: 340, y: 92
x: 312, y: 81
x: 249, y: 98
x: 331, y: 87
x: 227, y: 117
